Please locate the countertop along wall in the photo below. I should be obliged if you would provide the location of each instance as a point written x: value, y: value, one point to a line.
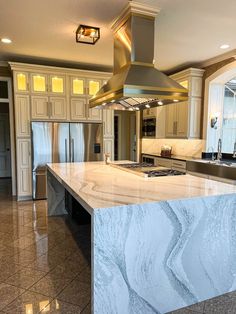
x: 192, y: 148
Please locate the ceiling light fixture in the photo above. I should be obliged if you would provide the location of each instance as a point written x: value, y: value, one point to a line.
x: 6, y: 40
x: 225, y: 46
x: 87, y: 34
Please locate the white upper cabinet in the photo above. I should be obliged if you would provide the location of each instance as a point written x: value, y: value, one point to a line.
x: 48, y: 84
x: 77, y: 86
x: 45, y: 108
x: 78, y: 108
x: 21, y: 82
x: 39, y: 83
x: 183, y: 119
x: 93, y: 86
x: 57, y: 85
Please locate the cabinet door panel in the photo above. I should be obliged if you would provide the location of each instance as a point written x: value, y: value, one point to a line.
x: 22, y: 113
x: 108, y: 119
x: 58, y: 108
x: 93, y: 86
x: 182, y: 119
x: 57, y: 84
x: 170, y: 120
x: 95, y: 114
x: 40, y: 107
x: 77, y: 86
x: 195, y: 118
x: 78, y: 109
x: 108, y: 145
x: 39, y: 83
x: 24, y: 167
x: 21, y: 82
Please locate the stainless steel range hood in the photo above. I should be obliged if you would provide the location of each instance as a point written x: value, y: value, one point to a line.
x: 135, y: 83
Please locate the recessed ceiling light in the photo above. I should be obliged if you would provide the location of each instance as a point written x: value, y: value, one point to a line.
x: 6, y: 40
x: 147, y: 106
x: 160, y: 103
x: 176, y: 100
x: 225, y: 46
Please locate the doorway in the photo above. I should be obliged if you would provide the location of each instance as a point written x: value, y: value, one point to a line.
x: 7, y: 144
x: 5, y: 151
x: 125, y: 144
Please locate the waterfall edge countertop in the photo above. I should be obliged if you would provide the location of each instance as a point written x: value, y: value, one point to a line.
x: 102, y: 186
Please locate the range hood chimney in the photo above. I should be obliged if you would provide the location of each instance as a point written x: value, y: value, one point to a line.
x: 136, y: 84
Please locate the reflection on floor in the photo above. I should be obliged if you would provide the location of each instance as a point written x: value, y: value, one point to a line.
x: 44, y: 261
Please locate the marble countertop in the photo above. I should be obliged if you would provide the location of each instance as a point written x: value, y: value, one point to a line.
x: 176, y: 157
x: 101, y: 186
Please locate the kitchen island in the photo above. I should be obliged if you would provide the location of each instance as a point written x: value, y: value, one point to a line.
x: 158, y: 244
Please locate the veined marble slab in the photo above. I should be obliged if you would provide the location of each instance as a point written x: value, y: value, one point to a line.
x: 97, y: 185
x: 158, y: 257
x: 158, y: 244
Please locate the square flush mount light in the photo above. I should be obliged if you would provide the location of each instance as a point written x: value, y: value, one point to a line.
x: 87, y: 34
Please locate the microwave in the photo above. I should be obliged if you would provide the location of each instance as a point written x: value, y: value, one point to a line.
x: 149, y: 127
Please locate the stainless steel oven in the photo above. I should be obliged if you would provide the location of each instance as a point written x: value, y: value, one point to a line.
x: 149, y: 127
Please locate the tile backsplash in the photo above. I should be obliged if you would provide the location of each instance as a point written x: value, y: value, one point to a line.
x: 181, y: 147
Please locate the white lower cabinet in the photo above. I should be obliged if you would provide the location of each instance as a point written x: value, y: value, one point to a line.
x: 108, y: 147
x: 24, y: 168
x: 78, y: 109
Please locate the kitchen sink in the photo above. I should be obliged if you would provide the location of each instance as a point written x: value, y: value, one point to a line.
x: 222, y: 169
x: 217, y: 162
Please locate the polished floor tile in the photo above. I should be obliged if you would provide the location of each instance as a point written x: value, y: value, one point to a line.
x: 77, y: 293
x: 8, y: 293
x: 25, y: 278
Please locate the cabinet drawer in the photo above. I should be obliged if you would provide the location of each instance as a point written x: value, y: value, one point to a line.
x: 179, y: 164
x: 164, y: 162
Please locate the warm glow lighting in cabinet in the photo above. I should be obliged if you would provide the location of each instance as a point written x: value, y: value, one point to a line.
x: 93, y: 87
x: 39, y: 83
x: 78, y: 87
x: 184, y: 84
x: 57, y: 85
x: 21, y: 82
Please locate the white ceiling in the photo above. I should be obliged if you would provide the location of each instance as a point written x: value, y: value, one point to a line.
x: 187, y: 31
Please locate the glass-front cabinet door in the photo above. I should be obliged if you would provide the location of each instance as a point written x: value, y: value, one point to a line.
x: 77, y: 86
x: 38, y: 83
x: 57, y: 84
x: 93, y: 86
x: 22, y: 81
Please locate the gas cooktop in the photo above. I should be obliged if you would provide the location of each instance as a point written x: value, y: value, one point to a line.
x: 147, y: 170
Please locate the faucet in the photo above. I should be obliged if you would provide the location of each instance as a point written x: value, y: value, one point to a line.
x: 234, y: 152
x: 211, y: 149
x: 219, y: 150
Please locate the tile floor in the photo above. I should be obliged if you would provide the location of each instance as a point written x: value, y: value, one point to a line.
x: 45, y: 263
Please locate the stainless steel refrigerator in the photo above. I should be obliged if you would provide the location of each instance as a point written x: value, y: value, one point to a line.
x: 62, y: 142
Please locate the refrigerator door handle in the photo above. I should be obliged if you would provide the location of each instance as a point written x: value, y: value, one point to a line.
x: 73, y: 150
x: 66, y: 157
